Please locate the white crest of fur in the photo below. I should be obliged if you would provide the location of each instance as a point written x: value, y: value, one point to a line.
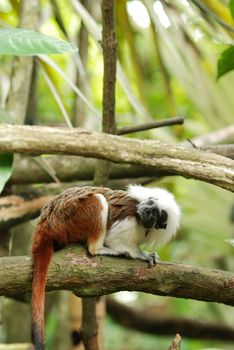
x: 165, y: 201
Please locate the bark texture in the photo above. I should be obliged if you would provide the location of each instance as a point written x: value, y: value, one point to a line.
x: 73, y: 270
x: 72, y: 168
x: 180, y: 160
x: 17, y: 209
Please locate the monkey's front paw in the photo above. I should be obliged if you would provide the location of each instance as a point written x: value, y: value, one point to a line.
x: 152, y: 259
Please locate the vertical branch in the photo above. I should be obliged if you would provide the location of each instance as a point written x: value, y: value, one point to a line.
x: 109, y: 44
x: 89, y: 324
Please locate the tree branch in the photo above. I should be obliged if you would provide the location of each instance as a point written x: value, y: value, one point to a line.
x: 161, y: 325
x: 152, y: 125
x: 15, y: 209
x: 223, y: 150
x: 188, y: 162
x: 225, y: 135
x: 72, y: 168
x: 72, y: 269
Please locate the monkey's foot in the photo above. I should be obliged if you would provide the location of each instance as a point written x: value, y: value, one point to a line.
x: 152, y: 259
x: 107, y: 251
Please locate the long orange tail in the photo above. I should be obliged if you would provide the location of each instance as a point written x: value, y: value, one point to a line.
x: 42, y: 253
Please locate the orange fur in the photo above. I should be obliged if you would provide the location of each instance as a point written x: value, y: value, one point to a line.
x: 83, y: 224
x: 42, y: 253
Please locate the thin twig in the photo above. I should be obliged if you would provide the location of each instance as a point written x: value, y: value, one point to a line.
x: 192, y: 143
x: 152, y: 125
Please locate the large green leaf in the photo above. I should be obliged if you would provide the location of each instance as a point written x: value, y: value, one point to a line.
x: 6, y: 162
x: 226, y: 61
x: 23, y: 42
x: 231, y: 5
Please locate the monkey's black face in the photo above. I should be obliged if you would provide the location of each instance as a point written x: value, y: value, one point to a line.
x: 150, y: 215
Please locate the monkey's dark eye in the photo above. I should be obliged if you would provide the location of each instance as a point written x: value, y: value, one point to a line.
x: 147, y: 211
x: 164, y: 216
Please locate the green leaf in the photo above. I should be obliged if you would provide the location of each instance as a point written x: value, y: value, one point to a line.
x: 23, y: 42
x: 226, y: 62
x: 231, y: 6
x: 6, y: 167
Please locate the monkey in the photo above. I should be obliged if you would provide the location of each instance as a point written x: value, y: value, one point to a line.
x: 109, y: 222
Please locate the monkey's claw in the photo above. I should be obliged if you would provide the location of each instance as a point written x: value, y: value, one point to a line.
x: 152, y: 259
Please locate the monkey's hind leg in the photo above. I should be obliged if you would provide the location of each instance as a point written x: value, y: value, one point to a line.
x: 96, y: 245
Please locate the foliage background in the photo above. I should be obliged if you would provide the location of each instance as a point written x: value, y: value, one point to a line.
x: 170, y: 64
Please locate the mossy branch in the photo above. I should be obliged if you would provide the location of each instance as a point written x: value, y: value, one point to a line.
x: 74, y: 270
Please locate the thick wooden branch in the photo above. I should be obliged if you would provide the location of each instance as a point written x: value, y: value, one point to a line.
x: 72, y: 269
x: 15, y: 209
x: 161, y: 325
x: 180, y: 160
x: 223, y: 150
x: 71, y: 168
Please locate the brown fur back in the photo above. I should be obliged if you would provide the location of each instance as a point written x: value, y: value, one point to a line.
x: 72, y: 203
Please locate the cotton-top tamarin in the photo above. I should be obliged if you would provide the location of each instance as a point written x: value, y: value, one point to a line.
x: 109, y: 222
